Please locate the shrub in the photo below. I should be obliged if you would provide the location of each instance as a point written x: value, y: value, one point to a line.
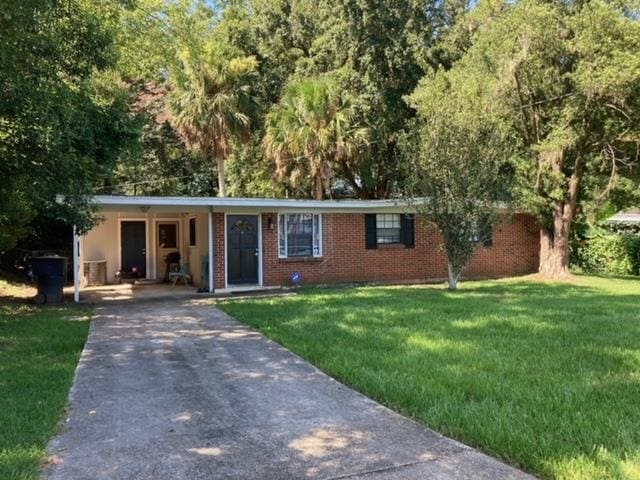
x: 610, y: 254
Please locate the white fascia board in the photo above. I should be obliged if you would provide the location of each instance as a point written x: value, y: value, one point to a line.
x: 258, y: 205
x: 253, y: 204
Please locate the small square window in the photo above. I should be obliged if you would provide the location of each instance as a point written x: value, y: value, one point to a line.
x: 388, y: 227
x: 167, y: 233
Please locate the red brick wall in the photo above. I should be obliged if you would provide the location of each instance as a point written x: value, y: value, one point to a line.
x: 218, y: 220
x: 345, y: 258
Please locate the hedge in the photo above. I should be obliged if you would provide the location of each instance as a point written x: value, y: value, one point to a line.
x: 610, y: 254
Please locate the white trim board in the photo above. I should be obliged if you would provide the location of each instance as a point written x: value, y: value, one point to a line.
x: 248, y: 205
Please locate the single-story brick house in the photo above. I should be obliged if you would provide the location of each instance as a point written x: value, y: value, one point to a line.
x: 234, y: 243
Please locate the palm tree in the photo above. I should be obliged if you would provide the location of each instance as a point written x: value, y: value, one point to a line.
x: 313, y: 127
x: 211, y: 101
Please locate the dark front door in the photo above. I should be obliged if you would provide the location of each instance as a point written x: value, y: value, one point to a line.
x: 134, y: 253
x: 242, y: 249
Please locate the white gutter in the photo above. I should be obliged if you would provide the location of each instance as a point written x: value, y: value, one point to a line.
x: 265, y: 205
x: 233, y: 202
x: 625, y: 217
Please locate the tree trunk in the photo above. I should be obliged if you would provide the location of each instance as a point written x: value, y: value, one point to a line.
x: 554, y: 244
x: 222, y: 184
x: 453, y: 276
x: 554, y: 241
x: 318, y: 189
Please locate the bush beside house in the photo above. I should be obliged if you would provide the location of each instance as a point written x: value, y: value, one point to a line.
x: 610, y: 254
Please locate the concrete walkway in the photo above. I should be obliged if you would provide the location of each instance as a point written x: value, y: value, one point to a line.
x: 178, y: 390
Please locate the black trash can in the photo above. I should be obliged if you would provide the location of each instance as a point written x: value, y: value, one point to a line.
x: 50, y: 272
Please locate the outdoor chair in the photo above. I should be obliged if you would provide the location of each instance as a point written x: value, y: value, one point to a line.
x: 183, y: 274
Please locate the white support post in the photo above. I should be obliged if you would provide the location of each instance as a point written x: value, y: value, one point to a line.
x: 76, y: 266
x: 211, y: 253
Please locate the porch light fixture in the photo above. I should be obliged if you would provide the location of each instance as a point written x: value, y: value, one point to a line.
x: 270, y: 223
x: 144, y: 208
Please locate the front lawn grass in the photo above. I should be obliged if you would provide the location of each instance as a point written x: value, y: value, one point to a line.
x: 543, y: 375
x: 39, y: 350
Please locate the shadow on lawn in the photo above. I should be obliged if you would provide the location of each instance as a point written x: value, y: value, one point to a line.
x: 537, y: 373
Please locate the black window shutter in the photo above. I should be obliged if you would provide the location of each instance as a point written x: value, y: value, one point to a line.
x: 371, y: 235
x: 408, y: 231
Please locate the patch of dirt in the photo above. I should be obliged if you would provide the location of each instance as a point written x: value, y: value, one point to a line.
x: 14, y: 290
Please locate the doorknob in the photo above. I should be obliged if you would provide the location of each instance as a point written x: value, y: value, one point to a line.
x: 144, y: 251
x: 256, y: 252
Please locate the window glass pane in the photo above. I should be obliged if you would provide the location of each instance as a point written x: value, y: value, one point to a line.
x: 388, y: 220
x: 192, y: 232
x: 317, y: 247
x: 299, y: 235
x: 167, y: 235
x: 388, y: 228
x: 282, y: 246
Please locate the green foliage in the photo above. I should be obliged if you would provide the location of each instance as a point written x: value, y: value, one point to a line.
x: 565, y: 77
x: 624, y: 227
x: 610, y: 254
x: 60, y: 129
x: 211, y: 101
x: 152, y: 33
x: 312, y: 132
x: 374, y: 50
x: 459, y: 164
x: 279, y: 33
x: 163, y: 166
x: 252, y: 174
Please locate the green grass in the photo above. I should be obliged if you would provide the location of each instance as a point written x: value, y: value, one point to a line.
x: 543, y: 375
x: 39, y: 350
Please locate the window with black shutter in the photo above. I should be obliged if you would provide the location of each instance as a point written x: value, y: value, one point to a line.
x: 389, y: 229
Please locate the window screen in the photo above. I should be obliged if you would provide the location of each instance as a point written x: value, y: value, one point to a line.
x: 388, y: 227
x: 299, y: 235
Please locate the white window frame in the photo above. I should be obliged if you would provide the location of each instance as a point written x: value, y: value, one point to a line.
x: 315, y: 249
x: 399, y: 216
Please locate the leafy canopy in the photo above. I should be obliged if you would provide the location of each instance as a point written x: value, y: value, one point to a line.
x: 459, y: 166
x: 61, y: 126
x: 312, y: 130
x: 211, y: 100
x: 565, y: 78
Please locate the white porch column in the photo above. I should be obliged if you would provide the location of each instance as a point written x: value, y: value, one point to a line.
x: 76, y: 266
x: 211, y: 253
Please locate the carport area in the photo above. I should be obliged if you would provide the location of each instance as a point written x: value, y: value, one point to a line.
x: 177, y: 389
x: 150, y: 240
x: 163, y: 292
x: 130, y: 291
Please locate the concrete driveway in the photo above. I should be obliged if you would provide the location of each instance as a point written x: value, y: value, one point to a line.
x: 179, y: 390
